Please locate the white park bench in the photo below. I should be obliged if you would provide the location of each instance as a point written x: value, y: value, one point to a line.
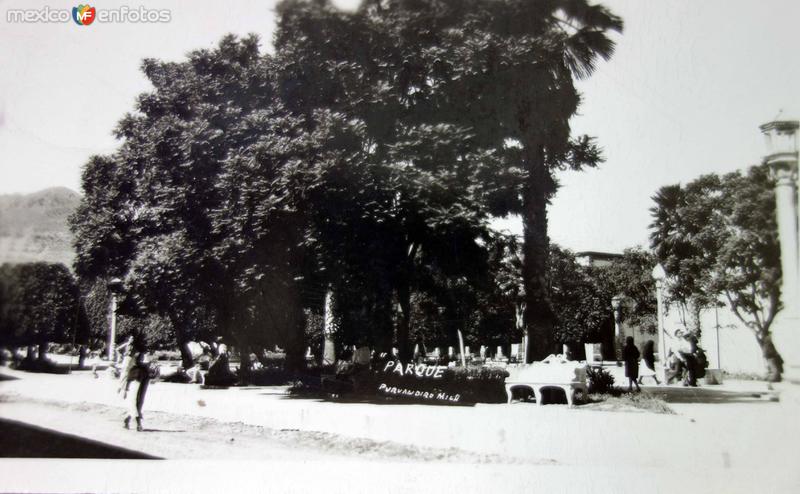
x: 552, y: 372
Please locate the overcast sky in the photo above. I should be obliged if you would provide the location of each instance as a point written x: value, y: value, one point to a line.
x: 684, y: 95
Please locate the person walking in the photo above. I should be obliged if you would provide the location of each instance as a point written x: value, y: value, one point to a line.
x: 139, y: 372
x: 630, y: 354
x: 649, y: 361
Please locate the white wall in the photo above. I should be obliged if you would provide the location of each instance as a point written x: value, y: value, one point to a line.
x: 738, y: 349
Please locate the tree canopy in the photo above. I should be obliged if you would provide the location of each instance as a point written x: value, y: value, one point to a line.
x: 500, y: 74
x: 630, y: 277
x: 717, y: 239
x: 39, y: 304
x: 366, y: 155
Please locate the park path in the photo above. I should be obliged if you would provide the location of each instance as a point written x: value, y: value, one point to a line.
x: 736, y: 440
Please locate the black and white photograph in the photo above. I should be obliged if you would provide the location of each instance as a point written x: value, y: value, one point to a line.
x: 415, y: 246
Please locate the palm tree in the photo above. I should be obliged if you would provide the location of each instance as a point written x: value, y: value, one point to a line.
x: 505, y: 69
x: 571, y: 36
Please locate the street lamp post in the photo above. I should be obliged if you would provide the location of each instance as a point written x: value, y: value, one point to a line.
x: 659, y: 276
x: 782, y: 158
x: 616, y: 304
x: 114, y: 286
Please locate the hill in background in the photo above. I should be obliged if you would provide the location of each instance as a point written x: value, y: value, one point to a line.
x: 33, y: 227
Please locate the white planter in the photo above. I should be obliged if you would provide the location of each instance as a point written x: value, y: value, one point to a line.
x: 713, y: 376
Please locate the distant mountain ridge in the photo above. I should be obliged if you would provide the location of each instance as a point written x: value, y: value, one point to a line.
x: 33, y: 227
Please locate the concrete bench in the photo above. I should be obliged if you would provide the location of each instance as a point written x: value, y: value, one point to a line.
x: 553, y: 372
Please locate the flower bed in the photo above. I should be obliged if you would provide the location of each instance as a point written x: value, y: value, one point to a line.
x: 418, y: 383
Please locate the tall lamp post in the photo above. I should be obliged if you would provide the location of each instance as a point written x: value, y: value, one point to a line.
x: 115, y: 287
x: 616, y: 304
x: 782, y: 158
x: 659, y: 276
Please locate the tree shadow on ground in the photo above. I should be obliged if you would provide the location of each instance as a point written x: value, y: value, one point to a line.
x: 712, y: 396
x: 20, y: 440
x: 44, y: 367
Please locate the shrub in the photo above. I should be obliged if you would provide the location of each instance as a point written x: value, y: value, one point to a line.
x: 599, y: 380
x: 471, y: 384
x: 648, y: 402
x: 270, y: 360
x: 744, y: 376
x: 267, y: 376
x: 38, y: 365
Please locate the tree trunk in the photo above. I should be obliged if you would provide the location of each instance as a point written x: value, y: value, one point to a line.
x: 403, y: 328
x: 42, y: 352
x: 694, y: 315
x: 82, y: 356
x: 294, y: 328
x: 187, y: 360
x: 296, y: 346
x: 404, y: 351
x: 244, y: 362
x: 383, y: 314
x: 538, y: 311
x: 772, y: 359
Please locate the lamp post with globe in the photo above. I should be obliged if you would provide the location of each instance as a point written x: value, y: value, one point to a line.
x: 659, y: 276
x: 115, y: 287
x: 616, y: 305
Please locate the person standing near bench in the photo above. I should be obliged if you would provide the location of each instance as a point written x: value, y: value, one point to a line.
x: 687, y: 353
x: 630, y: 354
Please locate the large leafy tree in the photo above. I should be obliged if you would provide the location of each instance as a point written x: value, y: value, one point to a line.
x: 630, y: 277
x: 496, y: 75
x: 485, y: 308
x: 154, y: 330
x: 219, y: 199
x: 719, y: 236
x: 581, y: 303
x: 6, y: 294
x: 372, y: 149
x: 407, y: 204
x: 482, y: 305
x: 154, y: 213
x: 520, y: 64
x: 681, y: 238
x: 40, y: 305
